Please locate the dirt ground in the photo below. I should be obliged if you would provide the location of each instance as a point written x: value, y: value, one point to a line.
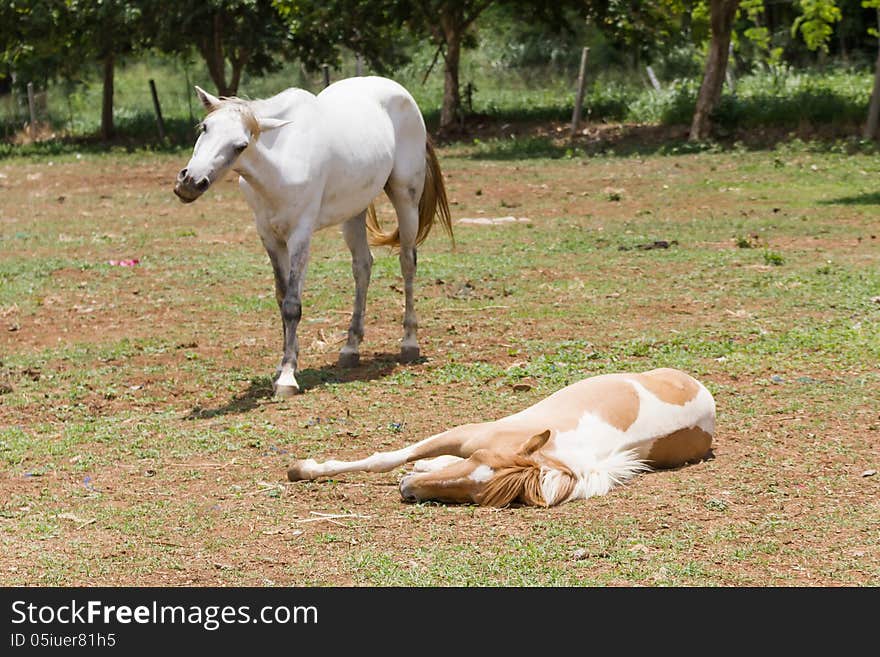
x: 141, y: 445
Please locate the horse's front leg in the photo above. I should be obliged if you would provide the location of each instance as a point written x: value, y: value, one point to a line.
x: 291, y: 311
x: 355, y: 232
x: 277, y: 252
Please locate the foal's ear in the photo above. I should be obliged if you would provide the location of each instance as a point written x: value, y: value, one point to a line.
x: 534, y: 443
x: 271, y: 124
x: 208, y: 101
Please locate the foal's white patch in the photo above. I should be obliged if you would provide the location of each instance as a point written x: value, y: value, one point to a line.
x: 482, y: 473
x: 602, y: 456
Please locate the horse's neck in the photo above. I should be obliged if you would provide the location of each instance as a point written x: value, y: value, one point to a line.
x: 283, y: 105
x: 260, y: 170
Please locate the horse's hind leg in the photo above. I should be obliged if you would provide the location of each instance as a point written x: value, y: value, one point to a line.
x: 405, y: 198
x: 355, y: 233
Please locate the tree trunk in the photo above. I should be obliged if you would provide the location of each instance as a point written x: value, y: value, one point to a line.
x: 107, y: 129
x: 722, y: 14
x: 451, y: 109
x: 874, y: 107
x: 212, y: 51
x: 238, y: 65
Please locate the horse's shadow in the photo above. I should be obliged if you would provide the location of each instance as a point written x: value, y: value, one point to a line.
x: 375, y: 367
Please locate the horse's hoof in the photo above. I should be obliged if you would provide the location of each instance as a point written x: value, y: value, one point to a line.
x: 409, y: 354
x: 349, y: 359
x: 286, y: 392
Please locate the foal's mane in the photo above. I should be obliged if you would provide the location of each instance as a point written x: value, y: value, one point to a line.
x: 521, y: 480
x: 243, y: 107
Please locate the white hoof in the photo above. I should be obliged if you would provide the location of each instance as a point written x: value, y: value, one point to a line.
x: 286, y: 385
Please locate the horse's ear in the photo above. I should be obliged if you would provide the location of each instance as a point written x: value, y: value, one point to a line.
x: 534, y: 443
x: 208, y: 101
x: 271, y: 124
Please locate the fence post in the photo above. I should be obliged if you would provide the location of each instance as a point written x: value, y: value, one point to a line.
x: 32, y: 128
x: 326, y: 70
x: 579, y: 98
x: 159, y: 122
x: 358, y: 66
x: 654, y: 81
x: 728, y: 72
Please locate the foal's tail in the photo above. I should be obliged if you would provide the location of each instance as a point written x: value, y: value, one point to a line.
x: 433, y: 206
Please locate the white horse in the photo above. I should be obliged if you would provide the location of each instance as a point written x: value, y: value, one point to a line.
x: 307, y: 162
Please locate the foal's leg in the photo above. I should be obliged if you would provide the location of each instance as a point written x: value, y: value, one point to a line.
x: 355, y: 232
x: 435, y: 464
x: 405, y: 200
x: 457, y: 442
x: 291, y: 311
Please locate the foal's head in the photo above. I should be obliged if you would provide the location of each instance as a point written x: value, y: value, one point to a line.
x: 495, y: 478
x: 228, y: 129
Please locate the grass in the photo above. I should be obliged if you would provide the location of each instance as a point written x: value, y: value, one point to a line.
x: 138, y: 399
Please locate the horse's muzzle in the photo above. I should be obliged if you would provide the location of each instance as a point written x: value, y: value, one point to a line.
x: 187, y: 189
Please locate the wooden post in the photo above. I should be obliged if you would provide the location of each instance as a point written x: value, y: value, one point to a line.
x: 870, y: 131
x: 358, y: 66
x: 189, y: 92
x: 653, y: 78
x: 579, y: 97
x: 731, y: 81
x: 159, y: 122
x: 32, y: 128
x: 326, y: 70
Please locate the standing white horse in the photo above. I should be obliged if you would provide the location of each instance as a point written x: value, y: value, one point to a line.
x: 307, y: 162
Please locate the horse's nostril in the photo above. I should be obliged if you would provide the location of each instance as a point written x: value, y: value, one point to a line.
x: 181, y: 175
x: 202, y: 185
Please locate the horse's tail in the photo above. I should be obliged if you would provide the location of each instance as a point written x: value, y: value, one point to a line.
x: 433, y: 206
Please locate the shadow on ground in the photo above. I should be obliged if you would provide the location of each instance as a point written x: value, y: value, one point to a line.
x: 868, y: 198
x: 260, y: 389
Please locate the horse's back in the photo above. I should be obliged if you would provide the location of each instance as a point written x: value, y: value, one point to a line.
x: 353, y: 96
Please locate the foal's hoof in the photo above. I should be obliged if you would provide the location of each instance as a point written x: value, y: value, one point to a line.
x: 409, y: 354
x: 349, y: 359
x: 299, y: 470
x: 286, y: 392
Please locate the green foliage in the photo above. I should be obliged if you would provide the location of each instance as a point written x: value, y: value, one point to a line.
x: 815, y: 23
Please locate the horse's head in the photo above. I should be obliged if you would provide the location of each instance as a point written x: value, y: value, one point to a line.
x: 228, y: 129
x: 494, y: 478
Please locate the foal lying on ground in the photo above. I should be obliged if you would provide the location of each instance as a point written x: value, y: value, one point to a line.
x: 581, y: 441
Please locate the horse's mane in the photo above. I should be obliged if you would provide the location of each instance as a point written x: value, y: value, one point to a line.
x: 522, y: 480
x: 243, y: 107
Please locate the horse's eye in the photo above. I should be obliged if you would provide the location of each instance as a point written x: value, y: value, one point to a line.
x: 240, y: 147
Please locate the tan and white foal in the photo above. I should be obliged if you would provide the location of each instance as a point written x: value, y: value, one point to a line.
x: 579, y: 442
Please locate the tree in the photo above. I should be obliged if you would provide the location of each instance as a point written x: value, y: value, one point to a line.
x: 722, y: 13
x: 871, y: 124
x: 56, y: 38
x: 232, y: 36
x: 317, y: 31
x: 447, y: 22
x: 104, y: 30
